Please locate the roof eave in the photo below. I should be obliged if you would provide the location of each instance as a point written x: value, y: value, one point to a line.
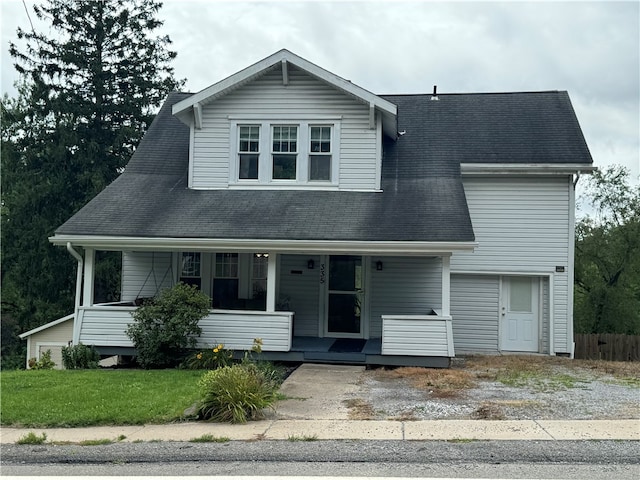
x: 45, y: 326
x: 526, y: 168
x: 254, y: 245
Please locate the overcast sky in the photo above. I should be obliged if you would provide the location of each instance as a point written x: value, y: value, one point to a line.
x: 590, y: 49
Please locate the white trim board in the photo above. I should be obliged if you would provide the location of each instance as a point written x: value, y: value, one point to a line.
x: 258, y: 245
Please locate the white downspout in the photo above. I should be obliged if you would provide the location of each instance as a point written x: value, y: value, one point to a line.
x: 76, y: 320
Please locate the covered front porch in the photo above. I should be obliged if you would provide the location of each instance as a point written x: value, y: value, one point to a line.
x: 383, y: 308
x: 406, y: 340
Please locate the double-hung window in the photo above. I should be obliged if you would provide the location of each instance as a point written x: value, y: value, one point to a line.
x: 284, y: 152
x: 225, y: 282
x: 190, y: 272
x: 248, y: 152
x: 320, y: 153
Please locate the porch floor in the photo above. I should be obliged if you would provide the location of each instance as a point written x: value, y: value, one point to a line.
x: 349, y: 351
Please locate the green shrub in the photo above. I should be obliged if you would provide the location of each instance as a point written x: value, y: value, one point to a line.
x: 80, y: 357
x: 235, y: 393
x: 165, y: 327
x: 210, y: 359
x: 45, y: 362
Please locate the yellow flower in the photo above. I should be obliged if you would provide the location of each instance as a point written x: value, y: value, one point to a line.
x: 215, y: 350
x: 199, y: 356
x: 220, y: 347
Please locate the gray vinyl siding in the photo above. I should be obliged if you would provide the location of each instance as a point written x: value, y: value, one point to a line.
x: 303, y: 292
x: 521, y: 225
x: 475, y: 311
x: 405, y: 286
x: 304, y: 96
x: 144, y: 274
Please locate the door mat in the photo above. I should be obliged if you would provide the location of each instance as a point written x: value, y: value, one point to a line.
x: 348, y: 345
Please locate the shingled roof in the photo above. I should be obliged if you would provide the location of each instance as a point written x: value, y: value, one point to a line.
x: 422, y: 200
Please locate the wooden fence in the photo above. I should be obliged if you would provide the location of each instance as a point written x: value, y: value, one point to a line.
x: 608, y: 346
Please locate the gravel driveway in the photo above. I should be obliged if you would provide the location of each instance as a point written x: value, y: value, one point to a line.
x: 503, y: 388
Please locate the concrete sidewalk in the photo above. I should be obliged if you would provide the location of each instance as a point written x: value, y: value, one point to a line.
x: 351, y: 430
x: 316, y: 408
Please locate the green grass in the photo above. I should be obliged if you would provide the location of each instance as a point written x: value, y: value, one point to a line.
x: 32, y: 439
x: 74, y: 398
x: 208, y: 438
x: 100, y: 441
x: 539, y: 381
x: 302, y: 438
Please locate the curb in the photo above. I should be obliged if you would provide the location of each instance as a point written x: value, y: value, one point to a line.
x: 451, y: 430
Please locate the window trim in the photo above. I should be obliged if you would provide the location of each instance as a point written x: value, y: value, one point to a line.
x: 265, y: 161
x: 248, y: 152
x: 311, y: 153
x: 272, y: 152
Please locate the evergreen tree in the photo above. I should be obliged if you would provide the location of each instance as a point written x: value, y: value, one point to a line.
x: 89, y: 90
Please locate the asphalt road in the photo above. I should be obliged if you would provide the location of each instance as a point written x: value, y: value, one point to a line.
x: 477, y: 459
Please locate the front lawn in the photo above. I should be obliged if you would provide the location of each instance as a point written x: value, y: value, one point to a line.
x: 75, y: 398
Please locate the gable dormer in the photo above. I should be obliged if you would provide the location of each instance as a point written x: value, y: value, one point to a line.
x: 286, y: 123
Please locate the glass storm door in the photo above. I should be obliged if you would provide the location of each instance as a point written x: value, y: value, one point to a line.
x: 345, y: 298
x: 520, y: 320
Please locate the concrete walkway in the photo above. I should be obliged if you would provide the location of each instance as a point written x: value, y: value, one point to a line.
x: 315, y: 409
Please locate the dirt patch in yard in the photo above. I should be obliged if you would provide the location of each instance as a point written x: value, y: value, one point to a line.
x: 502, y: 388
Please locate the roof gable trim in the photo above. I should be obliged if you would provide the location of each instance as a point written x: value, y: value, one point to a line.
x: 283, y: 57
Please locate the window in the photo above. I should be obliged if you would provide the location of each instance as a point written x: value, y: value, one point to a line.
x: 259, y: 274
x: 225, y: 283
x: 248, y: 152
x: 284, y: 151
x: 259, y: 267
x: 190, y: 272
x: 320, y: 153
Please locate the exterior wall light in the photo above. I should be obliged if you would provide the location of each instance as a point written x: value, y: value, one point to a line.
x: 379, y: 265
x: 311, y: 264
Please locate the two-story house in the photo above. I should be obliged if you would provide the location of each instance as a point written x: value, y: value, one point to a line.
x: 339, y: 225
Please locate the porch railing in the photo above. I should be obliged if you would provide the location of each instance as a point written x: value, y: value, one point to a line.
x: 105, y: 325
x: 421, y: 335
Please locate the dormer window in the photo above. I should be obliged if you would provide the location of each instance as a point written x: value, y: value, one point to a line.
x: 284, y: 152
x: 320, y: 154
x: 288, y: 152
x: 248, y: 152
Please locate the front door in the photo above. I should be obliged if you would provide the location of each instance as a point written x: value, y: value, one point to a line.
x: 520, y: 314
x: 345, y: 298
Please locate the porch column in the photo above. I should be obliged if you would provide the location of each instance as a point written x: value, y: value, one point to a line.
x: 446, y: 285
x: 271, y: 281
x: 89, y: 261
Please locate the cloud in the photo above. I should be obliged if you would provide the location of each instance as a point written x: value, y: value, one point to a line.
x: 589, y: 49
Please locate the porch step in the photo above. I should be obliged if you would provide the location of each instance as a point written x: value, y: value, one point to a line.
x: 336, y: 357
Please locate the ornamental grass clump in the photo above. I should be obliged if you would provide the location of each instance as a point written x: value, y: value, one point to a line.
x: 235, y: 394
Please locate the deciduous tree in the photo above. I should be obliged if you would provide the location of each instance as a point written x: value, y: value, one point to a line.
x: 607, y: 273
